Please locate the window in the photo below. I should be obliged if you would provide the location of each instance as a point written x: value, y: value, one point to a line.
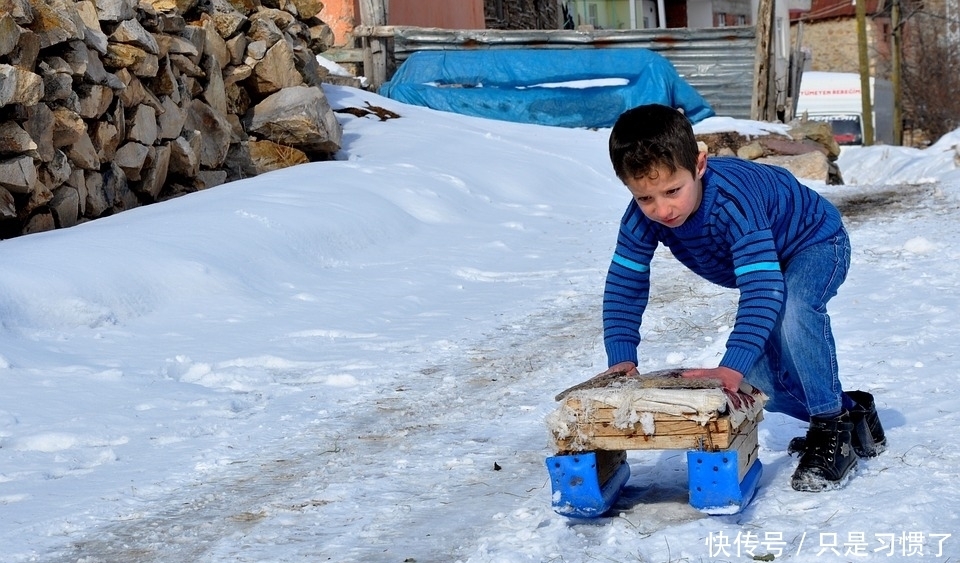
x: 720, y: 19
x: 847, y: 129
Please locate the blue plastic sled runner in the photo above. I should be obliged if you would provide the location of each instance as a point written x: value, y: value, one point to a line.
x: 597, y: 423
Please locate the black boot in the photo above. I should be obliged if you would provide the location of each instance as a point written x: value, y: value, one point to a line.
x: 868, y: 437
x: 828, y: 460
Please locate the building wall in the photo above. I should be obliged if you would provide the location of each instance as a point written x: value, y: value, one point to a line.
x: 462, y: 14
x: 676, y: 13
x: 523, y: 14
x: 705, y: 13
x: 734, y: 8
x: 647, y: 17
x: 342, y: 16
x: 699, y: 14
x: 601, y: 14
x: 832, y: 45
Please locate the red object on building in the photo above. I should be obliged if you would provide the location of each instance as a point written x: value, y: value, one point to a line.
x: 343, y: 15
x: 829, y: 9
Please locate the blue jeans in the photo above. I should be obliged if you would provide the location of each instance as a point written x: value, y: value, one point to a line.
x: 798, y: 367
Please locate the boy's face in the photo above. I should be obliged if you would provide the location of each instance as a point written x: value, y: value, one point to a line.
x: 669, y: 198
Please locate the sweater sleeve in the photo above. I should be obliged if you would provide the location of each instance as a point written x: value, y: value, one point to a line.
x: 626, y: 292
x: 760, y: 281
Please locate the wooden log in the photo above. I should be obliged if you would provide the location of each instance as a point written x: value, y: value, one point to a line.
x: 343, y: 55
x: 381, y: 31
x: 9, y: 33
x: 19, y: 86
x: 19, y: 175
x: 13, y: 139
x: 8, y: 206
x: 65, y: 206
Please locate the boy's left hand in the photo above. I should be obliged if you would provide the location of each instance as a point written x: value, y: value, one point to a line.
x: 728, y: 377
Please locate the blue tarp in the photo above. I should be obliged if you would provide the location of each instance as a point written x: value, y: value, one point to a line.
x: 508, y: 84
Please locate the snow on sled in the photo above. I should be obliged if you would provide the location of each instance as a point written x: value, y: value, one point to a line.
x: 600, y: 419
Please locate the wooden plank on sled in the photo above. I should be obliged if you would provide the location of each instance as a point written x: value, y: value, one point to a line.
x: 671, y: 432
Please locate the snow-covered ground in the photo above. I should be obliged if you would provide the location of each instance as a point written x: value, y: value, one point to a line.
x: 352, y: 361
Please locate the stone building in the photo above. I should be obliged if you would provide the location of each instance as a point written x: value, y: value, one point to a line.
x: 929, y: 78
x: 827, y: 34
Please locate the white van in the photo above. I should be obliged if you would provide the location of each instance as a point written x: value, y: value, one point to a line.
x: 835, y: 97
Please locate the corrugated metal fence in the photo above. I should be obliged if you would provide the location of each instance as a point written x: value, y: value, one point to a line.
x: 718, y: 62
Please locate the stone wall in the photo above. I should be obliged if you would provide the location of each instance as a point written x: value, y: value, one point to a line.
x: 832, y: 46
x: 111, y: 105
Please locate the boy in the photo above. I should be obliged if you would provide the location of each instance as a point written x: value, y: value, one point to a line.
x: 756, y: 228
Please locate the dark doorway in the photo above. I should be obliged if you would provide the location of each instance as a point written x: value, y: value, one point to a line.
x: 675, y: 12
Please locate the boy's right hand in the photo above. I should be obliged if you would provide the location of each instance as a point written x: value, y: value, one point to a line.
x: 730, y: 378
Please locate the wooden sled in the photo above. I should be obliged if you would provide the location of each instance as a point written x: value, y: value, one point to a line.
x: 600, y: 419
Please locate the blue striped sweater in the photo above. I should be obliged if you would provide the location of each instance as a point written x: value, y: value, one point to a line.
x: 752, y: 219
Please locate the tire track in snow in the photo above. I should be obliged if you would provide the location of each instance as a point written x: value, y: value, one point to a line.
x: 470, y: 407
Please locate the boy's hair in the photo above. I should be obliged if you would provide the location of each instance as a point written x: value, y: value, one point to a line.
x: 649, y: 137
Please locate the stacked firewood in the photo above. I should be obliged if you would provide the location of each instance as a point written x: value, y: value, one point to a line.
x: 809, y: 150
x: 113, y: 104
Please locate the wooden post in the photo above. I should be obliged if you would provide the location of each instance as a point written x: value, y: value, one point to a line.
x: 864, y: 73
x: 373, y: 13
x: 798, y: 62
x: 896, y: 73
x: 759, y: 110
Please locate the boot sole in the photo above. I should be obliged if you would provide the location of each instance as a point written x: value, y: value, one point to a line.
x: 817, y: 484
x: 876, y: 450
